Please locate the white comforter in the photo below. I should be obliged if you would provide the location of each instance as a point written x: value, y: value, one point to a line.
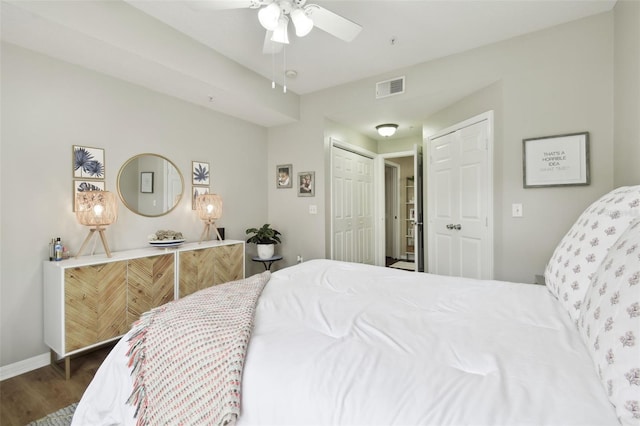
x: 350, y: 344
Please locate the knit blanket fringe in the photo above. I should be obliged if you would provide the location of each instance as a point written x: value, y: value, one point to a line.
x: 186, y: 357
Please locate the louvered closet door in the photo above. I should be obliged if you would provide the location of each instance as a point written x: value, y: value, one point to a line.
x: 150, y: 284
x: 95, y: 304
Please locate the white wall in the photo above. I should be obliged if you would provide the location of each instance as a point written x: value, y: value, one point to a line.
x: 627, y: 93
x: 560, y: 79
x: 554, y: 81
x: 48, y: 106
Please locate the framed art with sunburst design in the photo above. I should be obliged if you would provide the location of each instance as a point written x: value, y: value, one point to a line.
x: 199, y: 173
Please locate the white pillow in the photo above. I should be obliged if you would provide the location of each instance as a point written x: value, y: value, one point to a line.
x: 610, y: 324
x: 583, y: 248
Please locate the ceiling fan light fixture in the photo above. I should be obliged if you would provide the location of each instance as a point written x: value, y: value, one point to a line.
x: 269, y: 16
x: 301, y: 22
x: 387, y: 130
x: 280, y: 33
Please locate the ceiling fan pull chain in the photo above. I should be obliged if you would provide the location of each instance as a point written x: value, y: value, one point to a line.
x: 273, y: 70
x: 284, y: 68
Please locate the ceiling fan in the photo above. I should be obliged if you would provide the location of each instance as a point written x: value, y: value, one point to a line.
x: 274, y: 16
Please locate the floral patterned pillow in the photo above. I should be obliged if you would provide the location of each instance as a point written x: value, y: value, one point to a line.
x: 610, y: 324
x: 582, y: 250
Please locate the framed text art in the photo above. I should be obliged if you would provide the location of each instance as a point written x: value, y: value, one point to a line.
x: 199, y: 173
x: 306, y: 184
x: 88, y: 163
x: 146, y: 182
x: 283, y: 176
x: 561, y: 160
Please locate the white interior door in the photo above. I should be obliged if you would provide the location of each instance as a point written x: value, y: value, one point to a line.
x: 418, y: 224
x: 459, y: 199
x: 391, y: 211
x: 352, y: 207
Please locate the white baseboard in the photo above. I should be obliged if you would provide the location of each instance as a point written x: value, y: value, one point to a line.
x: 24, y: 366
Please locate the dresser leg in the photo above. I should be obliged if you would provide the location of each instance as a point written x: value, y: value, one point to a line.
x: 64, y: 372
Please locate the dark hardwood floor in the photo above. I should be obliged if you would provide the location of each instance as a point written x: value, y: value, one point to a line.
x: 35, y: 394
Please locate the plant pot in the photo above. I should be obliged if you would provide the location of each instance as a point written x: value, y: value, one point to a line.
x: 265, y: 251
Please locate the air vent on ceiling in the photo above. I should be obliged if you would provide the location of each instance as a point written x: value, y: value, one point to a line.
x: 395, y: 86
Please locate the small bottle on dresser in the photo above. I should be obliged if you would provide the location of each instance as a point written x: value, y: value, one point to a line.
x: 52, y: 249
x: 58, y: 250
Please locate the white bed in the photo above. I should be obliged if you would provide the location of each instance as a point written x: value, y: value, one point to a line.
x: 339, y: 343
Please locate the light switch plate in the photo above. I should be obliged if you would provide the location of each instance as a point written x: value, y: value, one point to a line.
x: 516, y: 210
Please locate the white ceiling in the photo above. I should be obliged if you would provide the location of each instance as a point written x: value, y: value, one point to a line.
x: 422, y: 30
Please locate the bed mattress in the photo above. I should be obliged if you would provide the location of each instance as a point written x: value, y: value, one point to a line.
x: 338, y: 343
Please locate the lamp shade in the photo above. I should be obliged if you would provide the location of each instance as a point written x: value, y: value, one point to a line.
x: 209, y: 207
x: 96, y: 208
x: 280, y: 33
x: 269, y: 16
x: 387, y: 130
x: 301, y: 22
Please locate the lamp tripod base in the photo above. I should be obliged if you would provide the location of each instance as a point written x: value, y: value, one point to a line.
x: 207, y: 230
x: 102, y: 238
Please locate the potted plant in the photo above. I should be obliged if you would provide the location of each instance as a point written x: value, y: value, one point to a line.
x: 265, y: 239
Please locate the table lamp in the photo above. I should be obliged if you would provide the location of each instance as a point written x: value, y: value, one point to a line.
x: 209, y: 208
x: 96, y: 209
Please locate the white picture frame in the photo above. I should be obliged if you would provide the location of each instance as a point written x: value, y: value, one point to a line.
x: 561, y: 160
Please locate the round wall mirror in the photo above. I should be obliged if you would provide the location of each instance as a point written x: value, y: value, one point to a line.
x: 150, y: 185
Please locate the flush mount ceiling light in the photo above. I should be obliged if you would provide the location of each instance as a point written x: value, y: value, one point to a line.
x: 387, y: 130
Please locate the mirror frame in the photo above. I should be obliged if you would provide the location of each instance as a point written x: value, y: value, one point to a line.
x: 162, y: 157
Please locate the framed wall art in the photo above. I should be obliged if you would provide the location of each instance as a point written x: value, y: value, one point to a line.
x: 146, y: 182
x: 197, y: 190
x: 283, y: 176
x: 83, y: 186
x: 88, y: 162
x: 561, y: 160
x: 199, y: 173
x: 306, y: 184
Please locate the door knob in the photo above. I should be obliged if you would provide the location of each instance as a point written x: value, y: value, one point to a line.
x: 450, y: 226
x: 457, y: 227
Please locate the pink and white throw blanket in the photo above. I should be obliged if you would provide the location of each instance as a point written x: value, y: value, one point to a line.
x: 187, y: 355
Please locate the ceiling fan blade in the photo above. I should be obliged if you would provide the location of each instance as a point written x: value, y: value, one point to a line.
x: 269, y: 46
x: 333, y: 23
x: 222, y: 4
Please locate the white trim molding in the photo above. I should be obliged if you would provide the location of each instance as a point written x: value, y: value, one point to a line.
x: 24, y: 366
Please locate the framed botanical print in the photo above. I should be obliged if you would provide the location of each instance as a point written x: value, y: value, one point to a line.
x: 88, y: 162
x: 199, y: 173
x: 197, y: 190
x: 84, y: 186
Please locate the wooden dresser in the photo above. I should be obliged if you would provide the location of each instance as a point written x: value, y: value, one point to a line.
x: 93, y: 300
